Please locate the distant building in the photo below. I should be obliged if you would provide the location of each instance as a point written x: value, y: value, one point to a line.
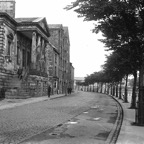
x: 79, y: 79
x: 71, y: 76
x: 66, y: 59
x: 76, y: 81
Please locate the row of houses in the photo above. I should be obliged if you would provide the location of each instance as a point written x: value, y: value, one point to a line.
x: 33, y: 55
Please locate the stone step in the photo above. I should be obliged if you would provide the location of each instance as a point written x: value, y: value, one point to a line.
x: 17, y: 97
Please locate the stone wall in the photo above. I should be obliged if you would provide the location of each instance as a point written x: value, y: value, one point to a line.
x: 5, y: 74
x: 37, y: 86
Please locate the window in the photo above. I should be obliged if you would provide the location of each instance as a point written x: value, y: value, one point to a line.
x: 55, y: 58
x: 9, y: 48
x: 8, y: 52
x: 55, y: 71
x: 9, y: 43
x: 18, y: 55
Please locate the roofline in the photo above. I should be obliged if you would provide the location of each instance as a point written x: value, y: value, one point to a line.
x: 4, y: 14
x: 55, y: 49
x: 61, y: 26
x: 35, y: 24
x: 38, y: 19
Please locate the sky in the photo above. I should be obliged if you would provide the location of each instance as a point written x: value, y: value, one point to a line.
x: 87, y: 54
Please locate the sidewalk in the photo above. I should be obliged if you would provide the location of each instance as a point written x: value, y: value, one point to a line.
x: 11, y: 103
x: 130, y: 134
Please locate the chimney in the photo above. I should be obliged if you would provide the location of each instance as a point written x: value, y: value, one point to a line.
x: 8, y: 6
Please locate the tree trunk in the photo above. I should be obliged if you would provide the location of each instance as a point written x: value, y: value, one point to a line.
x: 108, y: 88
x: 97, y: 87
x: 133, y: 100
x: 113, y: 89
x: 140, y: 119
x: 120, y: 89
x: 105, y: 88
x: 117, y: 90
x: 90, y: 88
x: 125, y: 96
x: 101, y: 87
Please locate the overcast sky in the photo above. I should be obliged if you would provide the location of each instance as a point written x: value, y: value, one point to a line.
x: 86, y: 52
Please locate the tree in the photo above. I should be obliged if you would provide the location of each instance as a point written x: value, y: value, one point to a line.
x: 122, y: 23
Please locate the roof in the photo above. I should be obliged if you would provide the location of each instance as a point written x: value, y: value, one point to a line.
x: 55, y: 26
x: 40, y: 21
x: 7, y: 0
x: 34, y: 19
x: 4, y: 14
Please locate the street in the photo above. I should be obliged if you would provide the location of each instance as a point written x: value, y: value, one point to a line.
x: 80, y: 118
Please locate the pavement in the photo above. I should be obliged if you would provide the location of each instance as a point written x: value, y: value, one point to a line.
x: 129, y: 134
x: 11, y: 103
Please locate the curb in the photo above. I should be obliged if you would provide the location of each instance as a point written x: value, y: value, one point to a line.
x: 113, y: 136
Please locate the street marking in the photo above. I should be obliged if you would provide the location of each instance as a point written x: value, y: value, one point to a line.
x: 97, y: 118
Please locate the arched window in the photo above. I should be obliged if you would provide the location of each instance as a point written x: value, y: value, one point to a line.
x: 9, y: 47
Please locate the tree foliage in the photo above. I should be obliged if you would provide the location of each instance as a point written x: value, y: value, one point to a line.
x: 122, y: 25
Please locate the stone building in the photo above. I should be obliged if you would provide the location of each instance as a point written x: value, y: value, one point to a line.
x: 60, y: 39
x: 53, y: 57
x: 71, y: 76
x: 8, y: 6
x: 24, y: 50
x: 33, y: 54
x: 66, y: 58
x: 23, y: 56
x: 56, y: 41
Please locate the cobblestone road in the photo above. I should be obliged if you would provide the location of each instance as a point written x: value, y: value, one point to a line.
x: 22, y: 122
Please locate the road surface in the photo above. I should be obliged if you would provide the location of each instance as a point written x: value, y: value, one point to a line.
x: 80, y: 118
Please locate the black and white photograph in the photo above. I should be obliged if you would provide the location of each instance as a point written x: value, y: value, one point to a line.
x: 71, y: 72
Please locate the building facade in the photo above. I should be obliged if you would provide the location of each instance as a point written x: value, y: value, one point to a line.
x: 53, y: 57
x: 33, y: 54
x: 24, y: 47
x: 60, y: 39
x: 66, y: 59
x: 71, y: 77
x: 23, y: 56
x: 56, y: 40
